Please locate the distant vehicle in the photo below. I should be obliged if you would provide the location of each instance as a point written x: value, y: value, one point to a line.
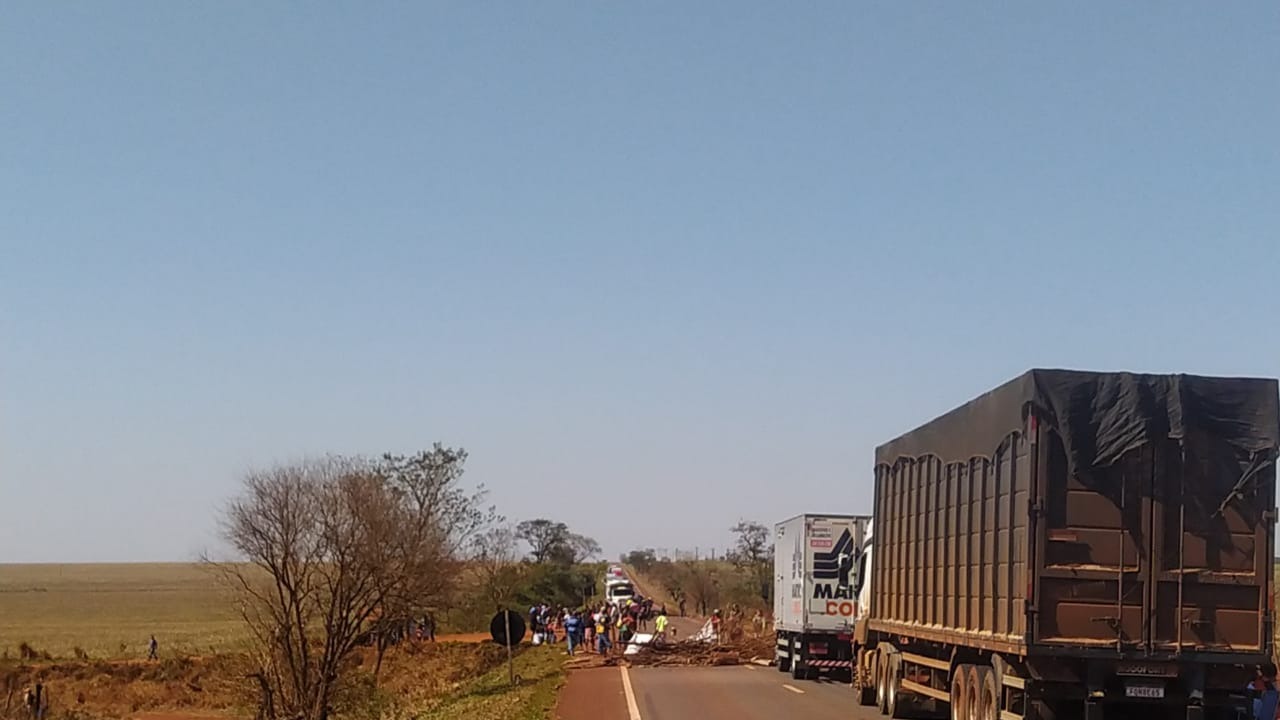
x: 819, y: 569
x: 619, y: 592
x: 614, y: 575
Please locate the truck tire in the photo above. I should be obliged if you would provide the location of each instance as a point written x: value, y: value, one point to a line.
x: 973, y: 688
x: 784, y: 661
x: 894, y: 706
x: 881, y: 681
x: 987, y: 699
x: 960, y: 693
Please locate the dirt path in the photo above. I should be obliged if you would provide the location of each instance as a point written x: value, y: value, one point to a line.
x: 681, y: 627
x: 647, y: 588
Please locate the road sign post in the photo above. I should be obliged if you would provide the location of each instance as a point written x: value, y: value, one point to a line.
x: 507, y: 629
x: 511, y: 664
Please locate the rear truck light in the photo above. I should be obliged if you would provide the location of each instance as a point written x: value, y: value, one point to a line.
x: 844, y: 637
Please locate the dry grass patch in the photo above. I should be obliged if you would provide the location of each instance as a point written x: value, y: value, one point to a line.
x: 111, y: 611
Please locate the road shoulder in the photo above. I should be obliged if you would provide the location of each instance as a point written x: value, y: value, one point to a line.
x: 593, y: 694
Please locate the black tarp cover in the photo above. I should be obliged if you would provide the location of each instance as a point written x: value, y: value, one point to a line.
x: 1101, y: 416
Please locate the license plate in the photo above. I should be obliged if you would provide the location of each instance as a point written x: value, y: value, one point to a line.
x: 1143, y: 691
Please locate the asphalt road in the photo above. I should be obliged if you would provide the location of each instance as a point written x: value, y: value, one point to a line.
x: 679, y: 693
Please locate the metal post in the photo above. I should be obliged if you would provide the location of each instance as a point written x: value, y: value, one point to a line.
x: 511, y: 667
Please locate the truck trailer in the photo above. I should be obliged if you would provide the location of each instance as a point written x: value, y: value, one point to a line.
x: 817, y: 576
x: 1076, y: 545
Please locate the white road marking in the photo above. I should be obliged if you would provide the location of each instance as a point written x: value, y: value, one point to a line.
x: 749, y: 667
x: 633, y: 710
x: 794, y: 689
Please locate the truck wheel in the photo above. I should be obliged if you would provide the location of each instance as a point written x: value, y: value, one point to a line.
x: 987, y: 699
x: 894, y: 707
x: 784, y: 661
x: 960, y: 693
x: 973, y: 690
x: 882, y: 691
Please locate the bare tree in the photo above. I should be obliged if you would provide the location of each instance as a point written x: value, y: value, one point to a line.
x: 335, y: 550
x: 437, y: 518
x: 582, y: 548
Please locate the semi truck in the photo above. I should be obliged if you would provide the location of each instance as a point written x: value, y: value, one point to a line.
x: 1076, y: 545
x: 817, y: 576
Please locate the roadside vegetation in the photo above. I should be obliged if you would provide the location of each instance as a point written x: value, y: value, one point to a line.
x: 413, y: 678
x: 743, y: 578
x: 341, y: 568
x: 492, y: 697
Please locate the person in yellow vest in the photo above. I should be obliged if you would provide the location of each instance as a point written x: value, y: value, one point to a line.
x: 660, y: 625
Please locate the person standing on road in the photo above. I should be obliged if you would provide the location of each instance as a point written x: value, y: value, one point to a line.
x: 549, y: 625
x: 625, y: 629
x: 588, y: 629
x: 572, y: 625
x: 602, y: 634
x: 660, y: 625
x: 1265, y: 695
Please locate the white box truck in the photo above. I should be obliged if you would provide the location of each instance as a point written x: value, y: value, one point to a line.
x: 819, y: 564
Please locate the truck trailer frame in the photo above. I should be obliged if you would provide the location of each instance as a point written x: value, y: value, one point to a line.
x: 1072, y: 542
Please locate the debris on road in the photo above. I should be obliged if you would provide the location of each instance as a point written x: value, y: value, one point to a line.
x: 686, y: 653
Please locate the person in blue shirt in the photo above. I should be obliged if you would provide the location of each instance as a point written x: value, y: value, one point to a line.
x: 572, y: 628
x: 1265, y: 695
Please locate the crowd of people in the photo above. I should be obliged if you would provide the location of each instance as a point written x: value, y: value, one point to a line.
x: 603, y: 628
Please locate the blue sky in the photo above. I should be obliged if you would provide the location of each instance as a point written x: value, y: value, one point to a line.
x: 658, y: 266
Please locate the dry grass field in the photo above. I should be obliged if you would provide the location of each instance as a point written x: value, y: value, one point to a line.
x: 111, y: 611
